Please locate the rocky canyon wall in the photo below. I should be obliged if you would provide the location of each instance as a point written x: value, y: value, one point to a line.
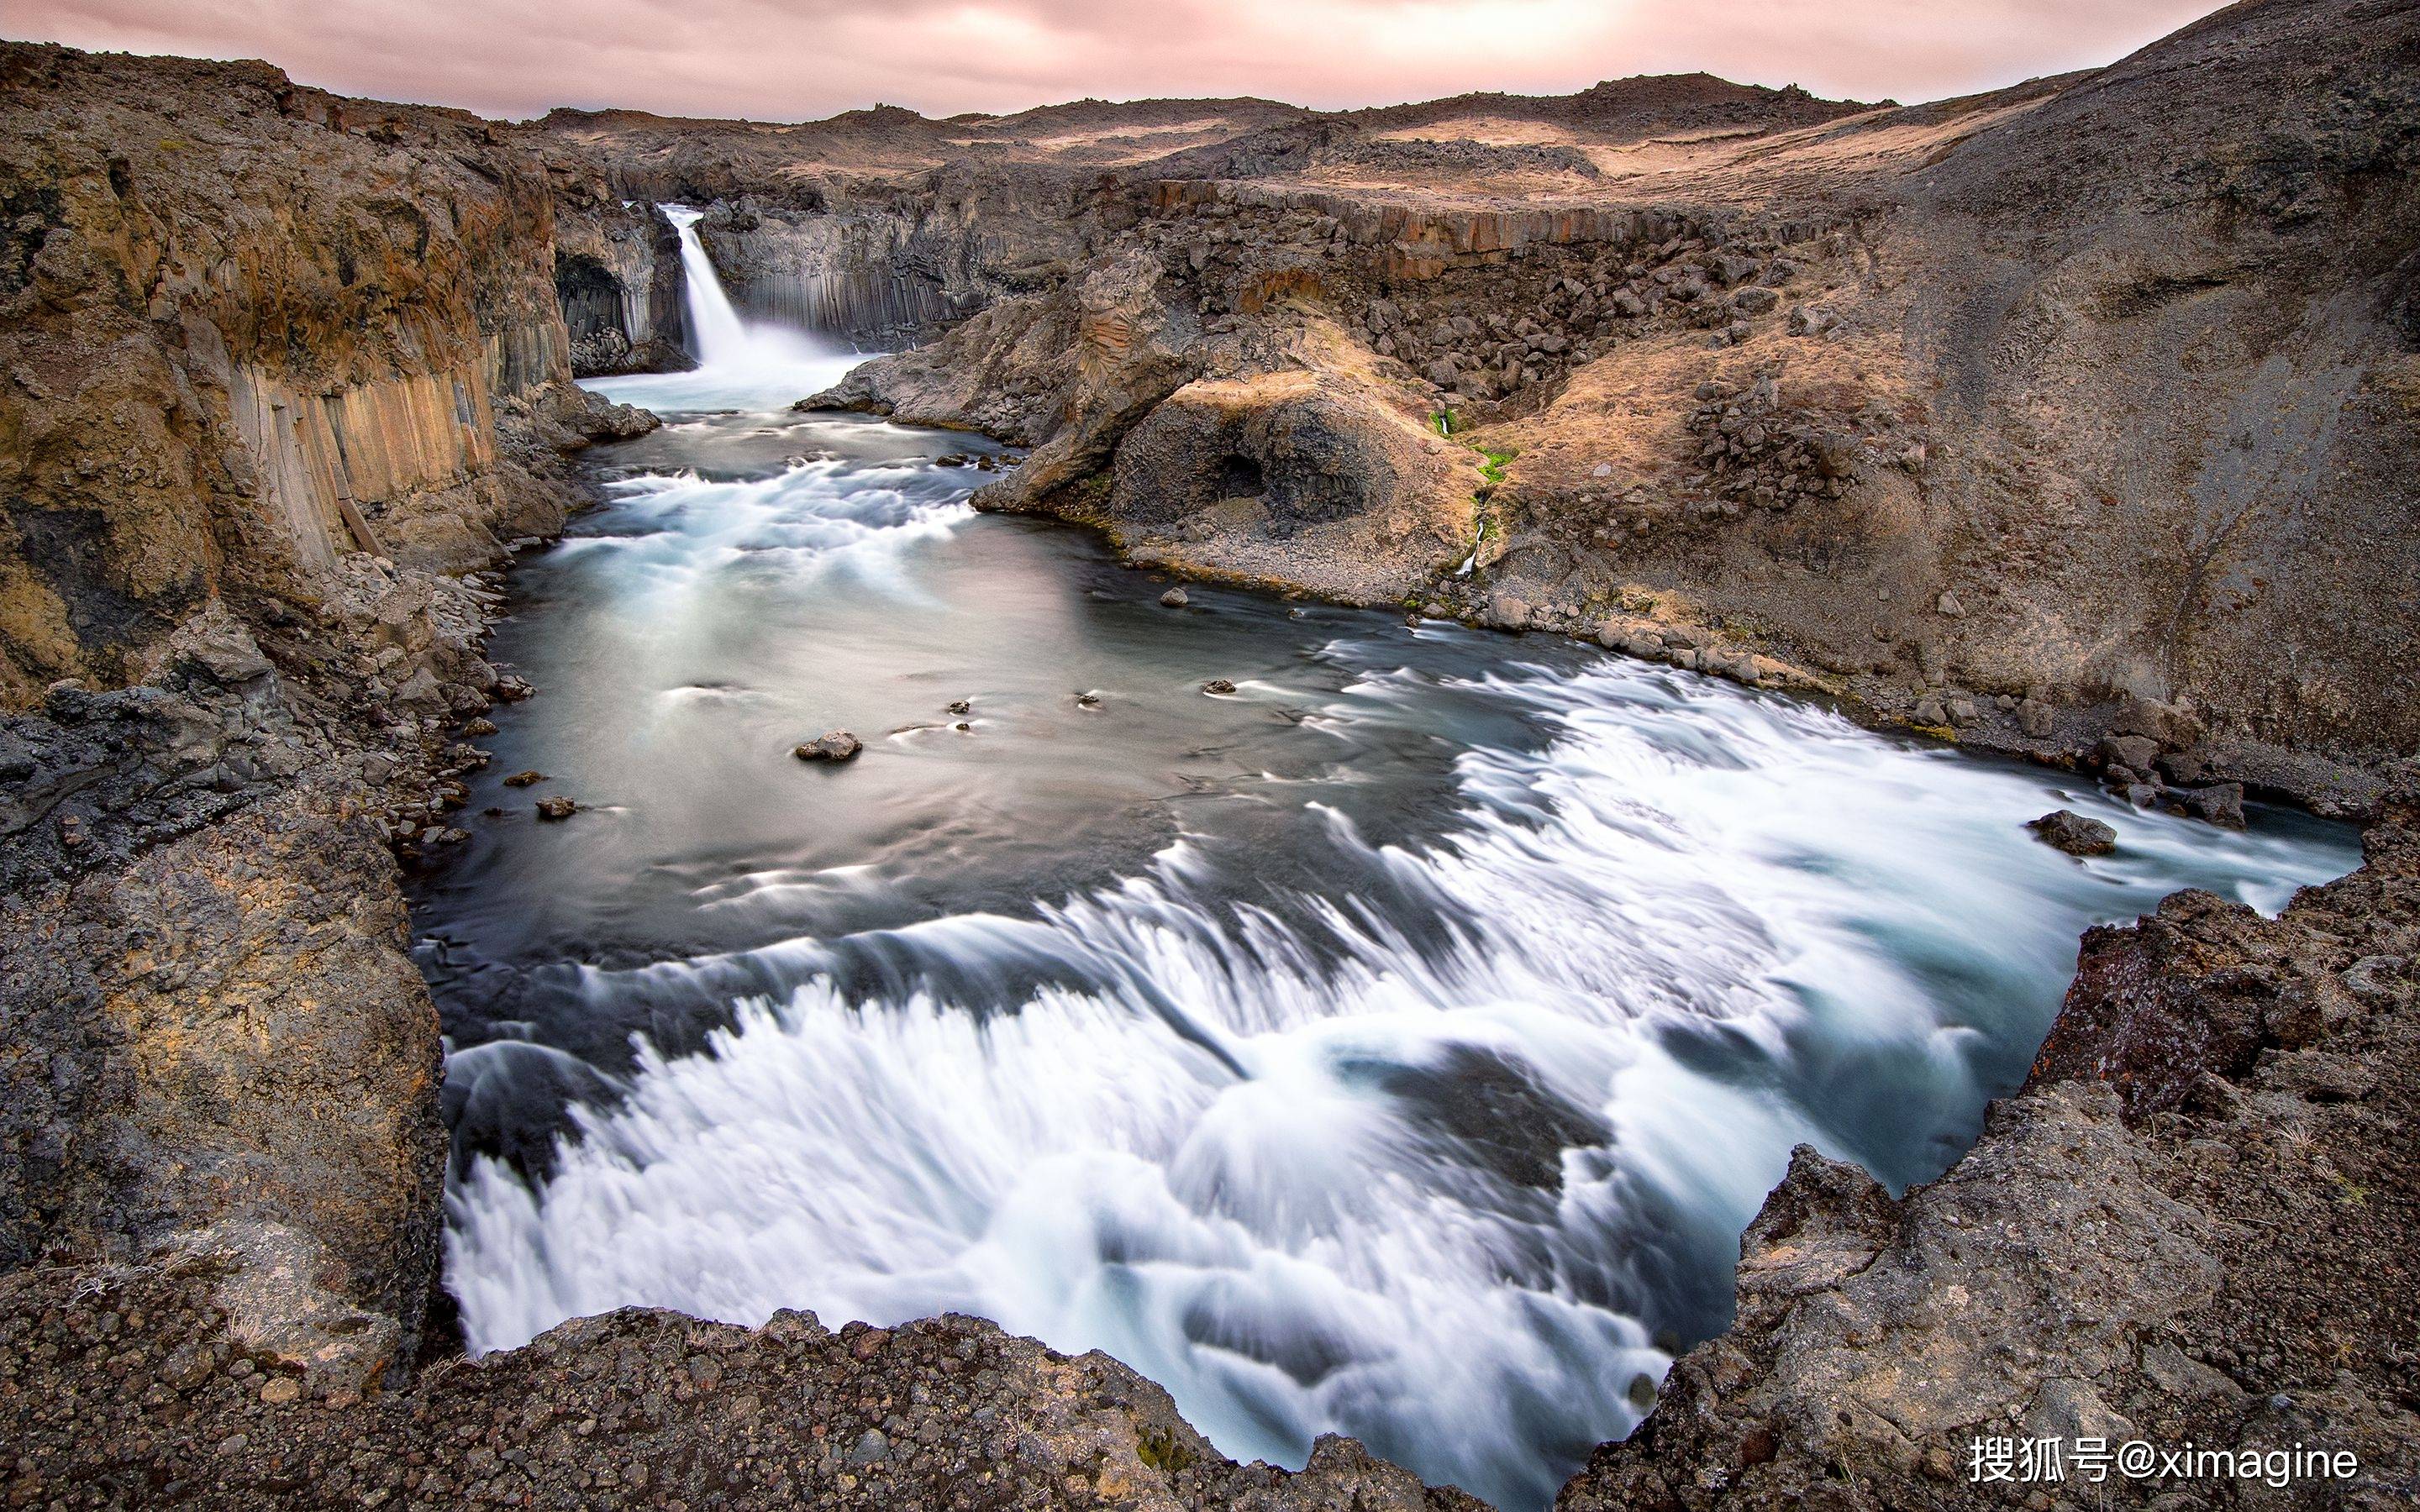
x: 619, y: 280
x: 892, y: 267
x: 250, y: 328
x: 2000, y: 417
x: 277, y: 370
x: 2084, y: 409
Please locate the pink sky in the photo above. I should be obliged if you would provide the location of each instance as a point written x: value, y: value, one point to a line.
x: 798, y: 59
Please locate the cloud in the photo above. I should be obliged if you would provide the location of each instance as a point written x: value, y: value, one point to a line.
x: 798, y: 59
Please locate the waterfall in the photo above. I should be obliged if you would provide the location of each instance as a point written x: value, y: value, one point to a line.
x: 721, y: 337
x: 725, y: 343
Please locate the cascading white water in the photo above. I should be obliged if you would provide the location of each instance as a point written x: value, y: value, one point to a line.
x: 725, y: 343
x: 1394, y: 1047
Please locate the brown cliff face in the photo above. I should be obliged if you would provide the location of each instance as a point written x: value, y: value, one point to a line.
x: 1785, y: 388
x: 274, y: 367
x: 248, y: 328
x: 2000, y: 415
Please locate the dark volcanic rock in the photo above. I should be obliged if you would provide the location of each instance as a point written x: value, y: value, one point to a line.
x: 634, y: 1409
x: 2198, y: 1221
x: 833, y: 746
x: 2067, y: 830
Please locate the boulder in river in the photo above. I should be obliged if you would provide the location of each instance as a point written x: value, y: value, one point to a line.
x: 2071, y: 832
x: 523, y: 780
x: 1175, y: 598
x: 1218, y: 685
x: 833, y: 746
x: 557, y: 807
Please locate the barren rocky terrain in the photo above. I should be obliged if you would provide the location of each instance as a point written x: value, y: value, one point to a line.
x: 2079, y: 420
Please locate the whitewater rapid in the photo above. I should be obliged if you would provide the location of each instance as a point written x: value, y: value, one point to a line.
x: 1395, y: 1046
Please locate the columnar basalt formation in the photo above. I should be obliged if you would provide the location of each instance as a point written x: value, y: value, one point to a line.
x: 619, y: 282
x: 887, y: 270
x: 280, y: 368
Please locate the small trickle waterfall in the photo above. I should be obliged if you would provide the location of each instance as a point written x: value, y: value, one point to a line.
x: 1393, y: 1043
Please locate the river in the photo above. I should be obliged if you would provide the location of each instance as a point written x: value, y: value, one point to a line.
x: 1394, y: 1045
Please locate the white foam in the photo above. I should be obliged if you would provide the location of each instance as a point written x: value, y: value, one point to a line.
x: 1201, y: 1157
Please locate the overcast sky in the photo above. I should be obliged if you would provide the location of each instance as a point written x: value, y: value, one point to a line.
x: 799, y: 59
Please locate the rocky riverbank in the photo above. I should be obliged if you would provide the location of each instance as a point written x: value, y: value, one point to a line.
x: 285, y: 371
x: 1846, y: 395
x: 2196, y: 1224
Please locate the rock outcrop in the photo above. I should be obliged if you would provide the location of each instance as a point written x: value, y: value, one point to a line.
x: 281, y: 370
x: 888, y: 267
x: 250, y: 329
x: 635, y: 1408
x: 619, y: 280
x: 2196, y: 1224
x: 1848, y: 388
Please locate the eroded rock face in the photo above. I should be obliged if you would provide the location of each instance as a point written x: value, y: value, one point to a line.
x: 619, y: 282
x: 2194, y: 1223
x: 248, y: 329
x: 281, y: 371
x: 1859, y: 397
x: 886, y: 267
x: 1303, y: 478
x: 274, y: 360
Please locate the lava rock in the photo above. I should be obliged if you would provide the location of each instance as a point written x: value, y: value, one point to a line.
x: 2221, y: 803
x: 2134, y: 752
x: 833, y: 746
x: 2067, y: 830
